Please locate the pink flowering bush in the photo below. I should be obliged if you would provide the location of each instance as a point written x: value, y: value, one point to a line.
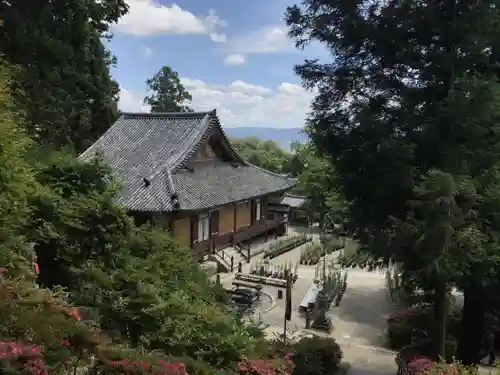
x: 425, y: 366
x: 419, y: 365
x: 266, y: 366
x: 139, y: 367
x: 20, y: 358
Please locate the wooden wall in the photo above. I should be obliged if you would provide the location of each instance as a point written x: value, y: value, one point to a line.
x: 232, y: 218
x: 182, y: 231
x: 243, y: 215
x: 226, y: 219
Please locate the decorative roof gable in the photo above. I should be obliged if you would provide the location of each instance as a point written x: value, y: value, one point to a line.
x: 150, y: 155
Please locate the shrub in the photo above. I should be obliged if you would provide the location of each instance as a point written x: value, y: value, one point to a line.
x: 316, y: 355
x: 423, y: 348
x: 399, y: 333
x: 409, y: 325
x: 286, y: 244
x: 419, y: 365
x: 265, y: 366
x: 424, y: 366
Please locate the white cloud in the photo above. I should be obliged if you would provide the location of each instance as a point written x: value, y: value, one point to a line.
x: 219, y: 38
x: 147, y: 52
x: 239, y: 103
x: 248, y: 88
x: 269, y: 39
x: 131, y: 102
x: 234, y: 59
x: 149, y: 17
x: 245, y: 104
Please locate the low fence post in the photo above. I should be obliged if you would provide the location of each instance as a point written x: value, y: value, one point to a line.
x: 308, y: 319
x: 232, y: 263
x: 248, y: 256
x: 240, y: 267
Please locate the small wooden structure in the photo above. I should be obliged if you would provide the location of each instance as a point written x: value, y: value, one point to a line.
x: 261, y: 280
x: 244, y: 284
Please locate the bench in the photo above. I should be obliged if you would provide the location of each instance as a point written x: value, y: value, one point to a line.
x: 261, y: 280
x: 244, y: 284
x: 310, y: 297
x: 249, y: 293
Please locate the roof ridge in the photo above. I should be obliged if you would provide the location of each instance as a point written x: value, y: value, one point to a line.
x: 228, y: 142
x: 173, y: 165
x: 285, y: 176
x: 167, y: 114
x: 296, y: 196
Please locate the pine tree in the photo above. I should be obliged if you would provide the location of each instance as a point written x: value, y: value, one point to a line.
x: 167, y: 92
x: 64, y: 85
x: 413, y: 87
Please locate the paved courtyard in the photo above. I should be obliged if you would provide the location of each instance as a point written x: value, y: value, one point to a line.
x: 358, y: 322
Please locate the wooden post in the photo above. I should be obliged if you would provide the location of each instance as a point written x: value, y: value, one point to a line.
x: 232, y: 263
x: 288, y: 309
x: 240, y: 267
x: 248, y: 249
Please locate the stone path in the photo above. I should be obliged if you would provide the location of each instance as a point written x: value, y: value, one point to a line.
x: 359, y: 321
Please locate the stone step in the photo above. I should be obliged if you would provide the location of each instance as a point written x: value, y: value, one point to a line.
x: 223, y: 257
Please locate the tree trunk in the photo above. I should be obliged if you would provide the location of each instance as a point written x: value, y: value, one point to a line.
x: 440, y: 318
x: 472, y: 326
x: 321, y: 220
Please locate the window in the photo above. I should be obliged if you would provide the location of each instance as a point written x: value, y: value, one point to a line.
x: 203, y: 227
x: 258, y: 207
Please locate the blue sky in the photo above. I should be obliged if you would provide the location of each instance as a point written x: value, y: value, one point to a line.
x: 233, y: 56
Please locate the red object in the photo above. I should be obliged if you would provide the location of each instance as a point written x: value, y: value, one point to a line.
x: 3, y: 270
x: 37, y: 269
x: 75, y: 314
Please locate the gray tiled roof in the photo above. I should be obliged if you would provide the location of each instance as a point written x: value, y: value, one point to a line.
x: 295, y: 201
x: 157, y: 147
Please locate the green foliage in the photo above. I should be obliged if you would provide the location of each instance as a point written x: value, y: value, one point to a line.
x: 316, y: 355
x: 79, y: 202
x: 412, y: 327
x: 151, y: 301
x: 168, y: 93
x: 265, y: 154
x: 317, y: 181
x: 69, y: 97
x: 175, y: 311
x: 312, y: 253
x: 283, y: 245
x: 17, y: 183
x: 401, y: 110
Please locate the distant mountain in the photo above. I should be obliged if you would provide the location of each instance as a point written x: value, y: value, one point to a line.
x: 284, y: 137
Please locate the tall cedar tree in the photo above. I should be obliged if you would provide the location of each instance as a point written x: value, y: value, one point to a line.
x: 167, y: 92
x: 64, y: 85
x: 17, y: 183
x: 413, y: 87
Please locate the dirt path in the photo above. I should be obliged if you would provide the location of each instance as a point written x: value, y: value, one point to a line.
x: 361, y: 316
